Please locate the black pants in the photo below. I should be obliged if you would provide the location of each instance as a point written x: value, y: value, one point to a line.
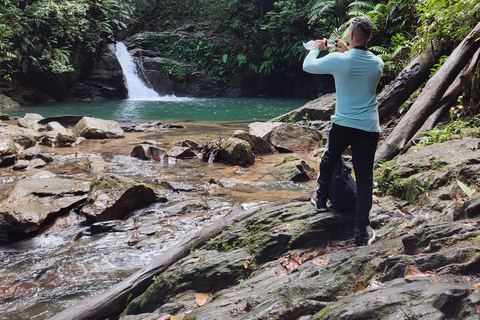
x: 364, y: 145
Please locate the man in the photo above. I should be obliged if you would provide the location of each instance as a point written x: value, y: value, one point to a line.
x: 355, y: 123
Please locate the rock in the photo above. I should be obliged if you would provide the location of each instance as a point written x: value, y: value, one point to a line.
x: 93, y: 128
x: 30, y: 153
x: 237, y: 152
x: 93, y: 163
x: 181, y: 153
x: 30, y: 121
x: 7, y: 102
x: 450, y: 301
x: 65, y: 139
x: 190, y: 144
x: 427, y: 177
x: 262, y: 129
x: 147, y: 152
x: 184, y: 207
x: 102, y: 79
x: 177, y: 186
x: 293, y: 168
x: 21, y: 165
x: 319, y: 109
x: 64, y: 121
x: 24, y: 137
x: 113, y: 197
x: 258, y: 144
x: 55, y: 126
x: 8, y: 152
x: 4, y: 117
x: 32, y: 201
x: 289, y: 137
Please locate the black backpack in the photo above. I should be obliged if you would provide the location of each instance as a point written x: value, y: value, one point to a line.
x: 343, y: 188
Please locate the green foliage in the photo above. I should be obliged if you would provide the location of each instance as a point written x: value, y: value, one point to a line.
x: 446, y: 21
x: 46, y: 36
x: 451, y: 130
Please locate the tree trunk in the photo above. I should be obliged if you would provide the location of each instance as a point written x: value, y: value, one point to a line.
x: 430, y: 97
x: 461, y: 84
x: 409, y: 80
x: 111, y: 303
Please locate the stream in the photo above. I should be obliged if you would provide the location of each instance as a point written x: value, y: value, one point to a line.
x: 72, y: 259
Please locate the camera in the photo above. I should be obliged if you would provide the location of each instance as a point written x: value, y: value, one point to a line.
x: 331, y: 43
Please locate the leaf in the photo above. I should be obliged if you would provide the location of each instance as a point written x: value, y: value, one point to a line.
x: 412, y: 271
x: 477, y: 285
x: 202, y: 298
x: 288, y: 226
x: 402, y: 212
x: 359, y: 286
x: 165, y: 317
x: 190, y: 261
x: 465, y: 188
x: 173, y: 318
x: 290, y: 262
x: 320, y: 261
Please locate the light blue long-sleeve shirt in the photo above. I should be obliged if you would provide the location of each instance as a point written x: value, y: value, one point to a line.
x: 356, y: 74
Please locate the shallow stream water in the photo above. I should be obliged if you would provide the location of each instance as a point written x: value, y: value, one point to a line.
x: 73, y: 259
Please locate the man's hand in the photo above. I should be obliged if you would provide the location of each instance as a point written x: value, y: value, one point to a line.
x: 342, y: 46
x: 320, y: 44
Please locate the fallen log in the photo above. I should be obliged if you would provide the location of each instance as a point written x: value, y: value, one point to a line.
x: 111, y: 303
x: 449, y: 98
x: 407, y: 82
x: 430, y: 97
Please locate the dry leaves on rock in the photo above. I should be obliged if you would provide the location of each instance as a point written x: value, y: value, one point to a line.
x: 412, y: 271
x: 290, y: 263
x: 313, y: 255
x: 202, y: 298
x: 320, y: 261
x: 288, y: 226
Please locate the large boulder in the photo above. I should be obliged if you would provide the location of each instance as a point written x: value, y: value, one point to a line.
x: 24, y: 137
x: 289, y: 137
x: 319, y: 109
x: 32, y: 201
x: 8, y: 152
x: 262, y: 129
x: 237, y: 152
x: 112, y: 197
x: 30, y: 120
x: 93, y: 128
x: 293, y: 168
x: 7, y: 102
x: 258, y: 144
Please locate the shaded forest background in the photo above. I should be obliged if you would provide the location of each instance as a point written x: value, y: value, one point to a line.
x: 57, y: 40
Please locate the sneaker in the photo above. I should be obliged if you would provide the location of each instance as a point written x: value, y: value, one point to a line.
x: 367, y: 239
x: 320, y: 206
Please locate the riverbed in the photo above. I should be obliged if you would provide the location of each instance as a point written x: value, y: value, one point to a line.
x: 73, y: 259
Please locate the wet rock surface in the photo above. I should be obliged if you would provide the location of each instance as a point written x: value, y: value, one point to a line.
x: 284, y: 262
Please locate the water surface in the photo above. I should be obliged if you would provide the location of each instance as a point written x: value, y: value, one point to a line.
x: 169, y: 108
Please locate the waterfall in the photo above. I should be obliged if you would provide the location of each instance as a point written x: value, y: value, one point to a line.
x: 137, y: 88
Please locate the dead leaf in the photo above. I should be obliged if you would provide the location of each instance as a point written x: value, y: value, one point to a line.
x: 359, y: 286
x: 477, y: 308
x: 290, y: 262
x: 202, y: 298
x: 320, y: 261
x: 173, y: 318
x: 352, y: 249
x: 477, y: 285
x: 403, y: 212
x: 375, y: 197
x: 412, y: 271
x: 288, y: 226
x: 280, y: 272
x: 237, y: 310
x: 169, y: 221
x: 165, y: 317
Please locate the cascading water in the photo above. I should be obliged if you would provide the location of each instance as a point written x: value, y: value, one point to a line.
x: 137, y: 89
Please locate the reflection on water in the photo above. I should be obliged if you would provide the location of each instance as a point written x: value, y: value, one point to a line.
x: 73, y: 259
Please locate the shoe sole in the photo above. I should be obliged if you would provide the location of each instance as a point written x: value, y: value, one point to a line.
x: 374, y: 235
x: 315, y: 205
